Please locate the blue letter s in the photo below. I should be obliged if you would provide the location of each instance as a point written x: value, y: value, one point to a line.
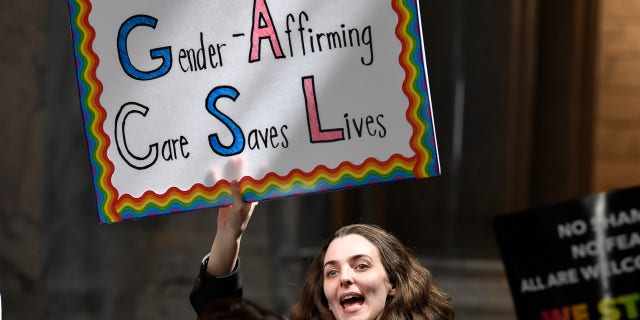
x: 238, y: 137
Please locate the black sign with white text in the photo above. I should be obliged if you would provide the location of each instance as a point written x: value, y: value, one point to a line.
x: 576, y: 260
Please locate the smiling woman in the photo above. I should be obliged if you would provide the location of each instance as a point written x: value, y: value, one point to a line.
x: 355, y: 281
x: 364, y: 272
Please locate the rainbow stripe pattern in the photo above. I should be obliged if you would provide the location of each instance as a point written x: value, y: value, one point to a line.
x: 116, y: 207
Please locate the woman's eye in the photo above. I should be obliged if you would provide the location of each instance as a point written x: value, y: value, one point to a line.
x: 362, y: 266
x: 331, y: 273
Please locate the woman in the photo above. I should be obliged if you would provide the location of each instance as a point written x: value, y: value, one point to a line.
x: 363, y: 272
x: 366, y: 271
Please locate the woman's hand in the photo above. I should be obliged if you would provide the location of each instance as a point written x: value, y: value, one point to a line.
x: 232, y: 222
x: 233, y: 219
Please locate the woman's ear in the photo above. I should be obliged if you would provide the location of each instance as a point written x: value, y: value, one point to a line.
x: 392, y: 292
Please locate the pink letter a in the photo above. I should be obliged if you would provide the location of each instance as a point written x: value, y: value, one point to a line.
x: 262, y: 28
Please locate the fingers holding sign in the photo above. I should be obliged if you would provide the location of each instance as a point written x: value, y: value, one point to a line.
x: 233, y: 219
x: 232, y: 222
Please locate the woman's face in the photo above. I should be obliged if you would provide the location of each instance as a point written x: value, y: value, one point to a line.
x: 355, y: 283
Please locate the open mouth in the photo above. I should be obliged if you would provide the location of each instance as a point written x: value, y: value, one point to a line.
x: 351, y: 302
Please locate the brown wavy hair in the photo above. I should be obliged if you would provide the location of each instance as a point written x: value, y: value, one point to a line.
x: 416, y: 297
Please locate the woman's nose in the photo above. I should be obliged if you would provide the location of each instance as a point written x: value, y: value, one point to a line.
x: 346, y: 277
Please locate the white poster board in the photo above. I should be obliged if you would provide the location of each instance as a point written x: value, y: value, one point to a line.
x: 288, y: 97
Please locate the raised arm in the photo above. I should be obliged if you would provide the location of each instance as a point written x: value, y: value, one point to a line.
x: 217, y: 278
x: 232, y: 221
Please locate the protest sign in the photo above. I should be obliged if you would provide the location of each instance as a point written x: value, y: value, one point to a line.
x: 288, y: 97
x: 576, y: 260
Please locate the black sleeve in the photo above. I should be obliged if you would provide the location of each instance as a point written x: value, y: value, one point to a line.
x: 208, y: 289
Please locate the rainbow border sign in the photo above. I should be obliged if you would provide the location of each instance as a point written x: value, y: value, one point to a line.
x: 287, y: 97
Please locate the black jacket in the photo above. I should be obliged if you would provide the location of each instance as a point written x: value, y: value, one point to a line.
x: 208, y: 289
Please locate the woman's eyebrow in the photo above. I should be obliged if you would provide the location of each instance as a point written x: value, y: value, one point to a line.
x: 330, y: 262
x: 360, y: 256
x: 352, y: 258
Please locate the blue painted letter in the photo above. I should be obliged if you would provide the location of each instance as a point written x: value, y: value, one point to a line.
x: 163, y: 53
x: 237, y: 144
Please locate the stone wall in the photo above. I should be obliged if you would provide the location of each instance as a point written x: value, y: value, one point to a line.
x: 617, y: 134
x: 21, y: 147
x: 56, y: 262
